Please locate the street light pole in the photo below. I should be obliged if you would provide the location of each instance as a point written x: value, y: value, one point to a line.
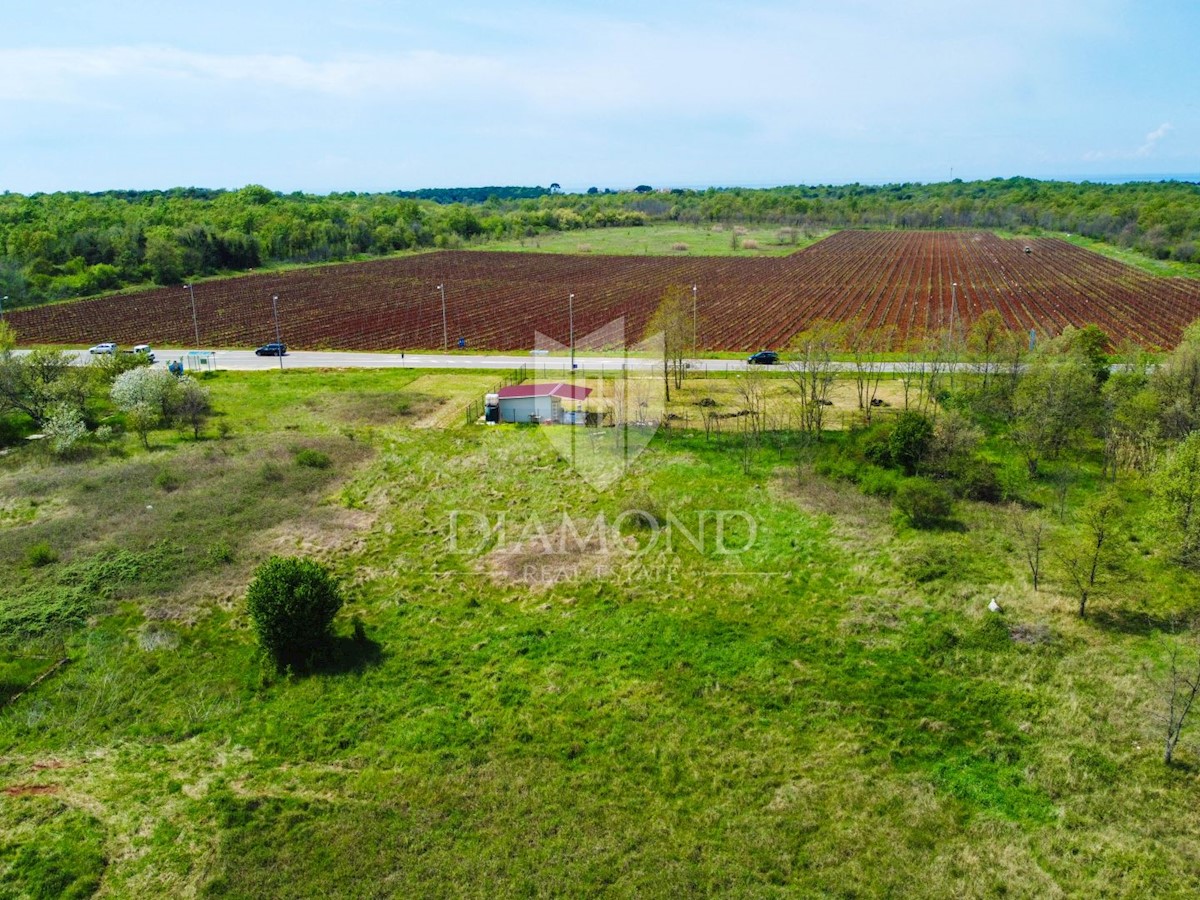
x: 571, y: 327
x: 953, y: 306
x: 195, y: 322
x: 3, y: 300
x: 445, y: 334
x: 278, y: 339
x: 693, y: 320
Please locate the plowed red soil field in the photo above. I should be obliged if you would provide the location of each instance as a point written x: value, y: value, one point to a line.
x: 497, y: 301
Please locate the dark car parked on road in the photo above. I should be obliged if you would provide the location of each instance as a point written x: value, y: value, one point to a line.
x: 764, y: 358
x: 271, y: 349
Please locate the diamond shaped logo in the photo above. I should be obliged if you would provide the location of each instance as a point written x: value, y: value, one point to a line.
x: 609, y: 414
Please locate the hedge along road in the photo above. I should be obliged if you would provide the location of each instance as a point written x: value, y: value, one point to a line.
x: 246, y: 360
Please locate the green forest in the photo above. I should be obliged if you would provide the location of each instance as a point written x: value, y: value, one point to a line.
x: 63, y: 245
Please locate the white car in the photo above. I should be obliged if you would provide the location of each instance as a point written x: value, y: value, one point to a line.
x: 106, y: 347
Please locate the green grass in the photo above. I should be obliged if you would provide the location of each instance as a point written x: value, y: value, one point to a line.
x: 662, y: 240
x: 1161, y: 267
x: 830, y: 711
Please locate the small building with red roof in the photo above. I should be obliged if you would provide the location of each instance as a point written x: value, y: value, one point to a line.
x: 556, y: 402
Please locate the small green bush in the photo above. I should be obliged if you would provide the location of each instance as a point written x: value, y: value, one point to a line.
x: 41, y: 554
x: 877, y: 482
x: 292, y: 603
x: 977, y: 480
x: 220, y: 553
x: 841, y: 468
x: 270, y: 472
x: 876, y: 446
x: 313, y: 459
x: 167, y: 481
x: 922, y: 503
x: 910, y: 440
x: 1013, y: 479
x: 933, y: 563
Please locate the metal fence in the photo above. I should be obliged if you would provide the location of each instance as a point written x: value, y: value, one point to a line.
x: 476, y: 408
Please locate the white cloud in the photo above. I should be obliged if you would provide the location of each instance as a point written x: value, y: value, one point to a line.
x: 598, y: 89
x: 56, y: 75
x: 1153, y: 138
x: 1149, y: 145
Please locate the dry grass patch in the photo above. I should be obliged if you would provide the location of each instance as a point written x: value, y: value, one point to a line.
x: 444, y: 397
x: 572, y: 551
x: 858, y: 520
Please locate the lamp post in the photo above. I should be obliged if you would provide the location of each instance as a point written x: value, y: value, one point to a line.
x: 195, y: 322
x: 571, y: 327
x: 445, y: 334
x: 693, y: 320
x: 278, y: 339
x: 3, y: 300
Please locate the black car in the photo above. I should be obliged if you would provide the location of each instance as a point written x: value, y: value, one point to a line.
x: 764, y: 358
x: 271, y: 349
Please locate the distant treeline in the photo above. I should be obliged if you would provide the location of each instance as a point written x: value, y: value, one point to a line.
x: 75, y: 244
x: 473, y: 195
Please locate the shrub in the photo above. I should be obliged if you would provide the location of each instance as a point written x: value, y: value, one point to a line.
x: 1013, y: 479
x: 40, y: 554
x: 840, y: 468
x: 220, y: 553
x: 313, y: 459
x: 270, y: 472
x: 877, y: 482
x: 876, y: 446
x: 167, y: 481
x: 932, y: 563
x: 292, y: 603
x: 977, y: 480
x: 910, y: 440
x: 922, y: 503
x: 65, y: 429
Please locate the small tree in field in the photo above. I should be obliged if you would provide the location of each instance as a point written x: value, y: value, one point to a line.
x: 65, y: 429
x: 193, y: 405
x: 1033, y: 535
x: 673, y: 319
x: 292, y: 603
x: 1176, y: 486
x: 1091, y: 556
x: 1180, y: 690
x: 812, y: 370
x: 147, y: 396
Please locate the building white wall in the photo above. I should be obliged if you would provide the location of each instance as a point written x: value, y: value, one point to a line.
x: 518, y: 409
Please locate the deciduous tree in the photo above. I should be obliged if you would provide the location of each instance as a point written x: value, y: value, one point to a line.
x: 1176, y: 486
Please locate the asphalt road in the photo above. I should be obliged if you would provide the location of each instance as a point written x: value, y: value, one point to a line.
x: 245, y: 360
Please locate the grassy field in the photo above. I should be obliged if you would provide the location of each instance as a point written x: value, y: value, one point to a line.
x: 1169, y: 268
x: 666, y: 240
x: 777, y: 692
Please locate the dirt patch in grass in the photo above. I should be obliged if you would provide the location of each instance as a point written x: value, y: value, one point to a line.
x: 327, y: 533
x: 570, y: 552
x: 332, y: 529
x: 855, y: 515
x: 367, y: 407
x: 30, y: 790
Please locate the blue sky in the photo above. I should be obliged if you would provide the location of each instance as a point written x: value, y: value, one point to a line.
x: 373, y: 95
